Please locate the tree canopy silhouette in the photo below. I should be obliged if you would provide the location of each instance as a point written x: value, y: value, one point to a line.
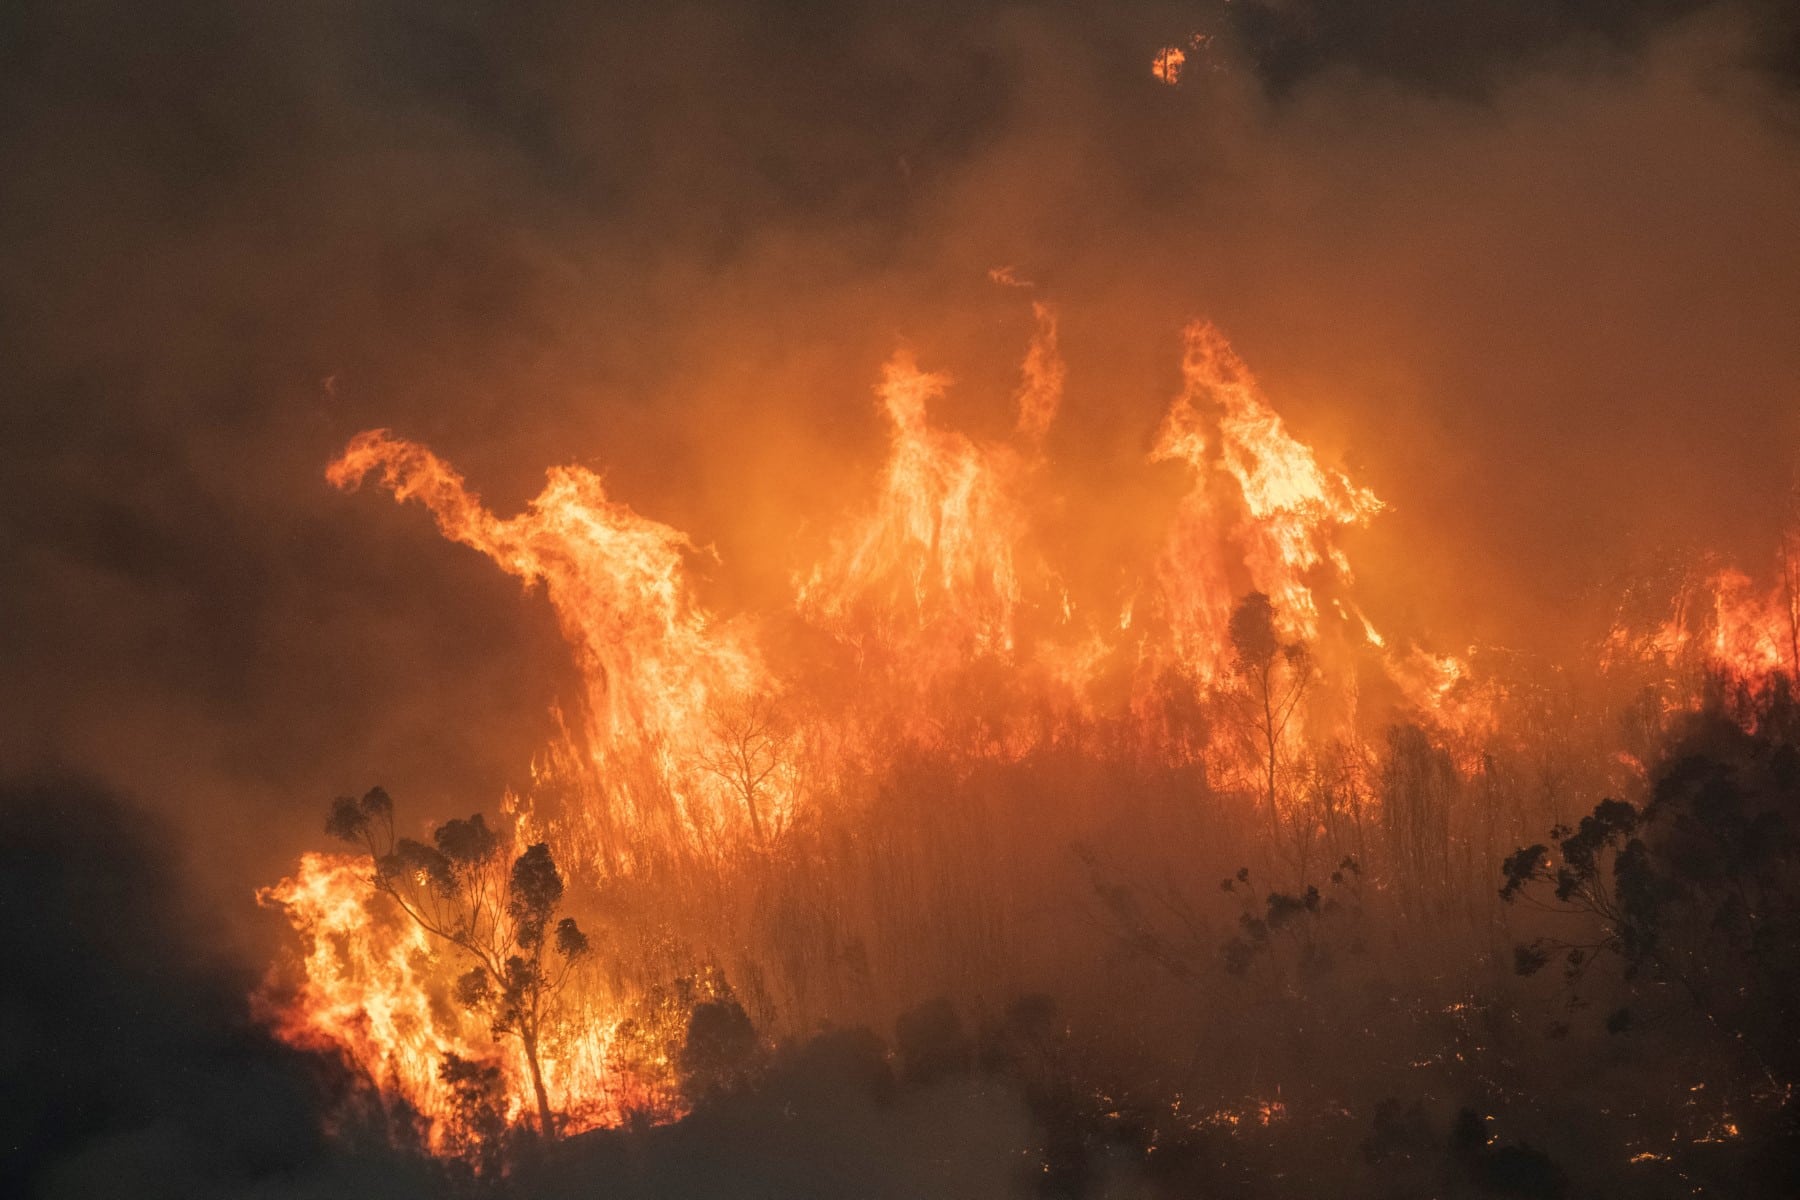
x: 1274, y: 675
x: 1700, y: 889
x: 504, y: 918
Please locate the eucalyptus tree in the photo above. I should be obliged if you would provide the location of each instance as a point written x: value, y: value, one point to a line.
x: 501, y: 916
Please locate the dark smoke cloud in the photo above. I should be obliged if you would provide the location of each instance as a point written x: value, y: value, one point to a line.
x: 129, y: 1062
x: 1465, y: 49
x: 1530, y: 269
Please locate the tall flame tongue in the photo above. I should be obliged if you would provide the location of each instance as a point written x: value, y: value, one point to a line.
x: 1290, y: 509
x: 678, y: 752
x: 655, y: 663
x: 1726, y: 624
x: 931, y: 576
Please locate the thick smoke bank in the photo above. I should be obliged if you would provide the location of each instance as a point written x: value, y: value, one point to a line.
x: 1530, y: 268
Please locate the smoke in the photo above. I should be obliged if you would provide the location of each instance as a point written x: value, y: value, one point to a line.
x: 1525, y: 270
x: 130, y: 1063
x: 1528, y: 271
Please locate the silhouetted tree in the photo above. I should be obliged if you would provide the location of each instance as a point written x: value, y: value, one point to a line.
x: 1181, y: 952
x: 720, y: 1051
x: 746, y: 749
x: 1274, y: 675
x: 461, y: 890
x: 1334, y: 803
x: 1296, y: 921
x: 476, y: 1133
x: 818, y: 1073
x: 1699, y: 890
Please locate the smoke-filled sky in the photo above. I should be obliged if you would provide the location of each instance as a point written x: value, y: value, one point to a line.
x: 1529, y: 270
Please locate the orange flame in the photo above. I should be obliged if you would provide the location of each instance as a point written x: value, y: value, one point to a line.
x: 680, y: 745
x: 1167, y: 64
x: 654, y: 661
x: 1290, y: 509
x: 931, y: 572
x: 1726, y: 623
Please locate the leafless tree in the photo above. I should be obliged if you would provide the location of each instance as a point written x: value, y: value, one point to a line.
x: 748, y: 747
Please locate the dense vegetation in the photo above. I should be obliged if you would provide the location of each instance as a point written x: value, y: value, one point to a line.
x: 1369, y: 984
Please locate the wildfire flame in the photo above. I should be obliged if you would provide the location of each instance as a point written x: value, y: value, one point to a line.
x: 1289, y: 509
x: 1725, y: 623
x: 699, y: 737
x: 656, y: 664
x: 1167, y: 64
x: 1170, y: 61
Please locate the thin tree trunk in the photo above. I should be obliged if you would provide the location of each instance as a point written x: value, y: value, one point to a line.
x: 546, y: 1119
x: 1790, y: 578
x: 750, y: 803
x: 1269, y: 738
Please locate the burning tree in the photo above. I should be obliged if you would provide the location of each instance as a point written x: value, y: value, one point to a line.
x: 746, y: 751
x: 461, y: 891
